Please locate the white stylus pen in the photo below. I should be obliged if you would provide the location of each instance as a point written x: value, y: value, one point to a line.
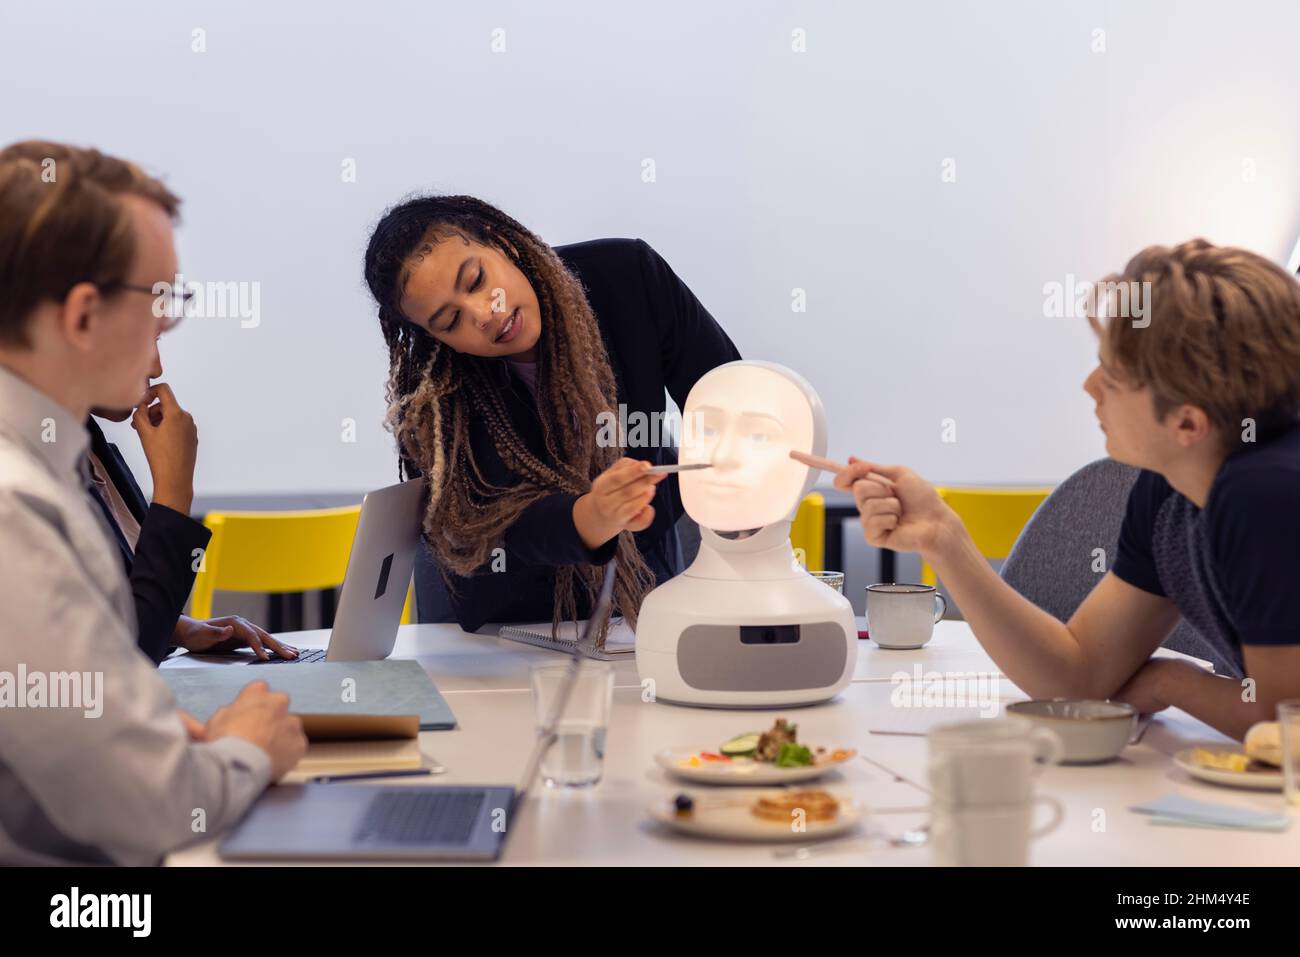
x: 669, y: 469
x: 827, y: 465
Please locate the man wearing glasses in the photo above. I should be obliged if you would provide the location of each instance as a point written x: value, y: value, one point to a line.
x: 159, y: 543
x: 100, y: 767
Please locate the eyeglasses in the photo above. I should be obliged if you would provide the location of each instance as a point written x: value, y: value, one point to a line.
x: 173, y: 301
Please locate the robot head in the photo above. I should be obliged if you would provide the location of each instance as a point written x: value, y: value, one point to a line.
x: 744, y: 418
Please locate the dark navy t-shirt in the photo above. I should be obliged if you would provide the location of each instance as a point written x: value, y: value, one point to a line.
x: 1232, y: 568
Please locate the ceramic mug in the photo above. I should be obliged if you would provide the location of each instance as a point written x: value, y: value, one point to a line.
x: 902, y: 616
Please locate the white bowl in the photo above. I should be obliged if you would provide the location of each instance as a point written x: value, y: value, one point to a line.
x: 1090, y: 731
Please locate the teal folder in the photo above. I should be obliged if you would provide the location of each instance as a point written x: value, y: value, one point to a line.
x: 356, y: 689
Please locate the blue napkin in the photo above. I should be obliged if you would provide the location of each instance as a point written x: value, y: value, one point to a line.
x: 1174, y: 809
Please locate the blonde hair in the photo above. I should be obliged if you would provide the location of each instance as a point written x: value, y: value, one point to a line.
x: 1221, y: 332
x: 62, y: 222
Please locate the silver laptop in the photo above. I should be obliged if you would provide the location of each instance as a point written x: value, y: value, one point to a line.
x: 374, y: 587
x: 395, y: 822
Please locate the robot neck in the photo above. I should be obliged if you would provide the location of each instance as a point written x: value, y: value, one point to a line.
x: 765, y: 555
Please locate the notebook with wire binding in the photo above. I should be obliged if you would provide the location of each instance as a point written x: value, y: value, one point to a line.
x: 619, y: 643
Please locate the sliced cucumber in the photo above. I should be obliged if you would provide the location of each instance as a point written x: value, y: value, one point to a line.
x: 742, y: 745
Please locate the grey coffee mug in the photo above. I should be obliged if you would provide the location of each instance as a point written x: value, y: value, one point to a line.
x: 902, y: 615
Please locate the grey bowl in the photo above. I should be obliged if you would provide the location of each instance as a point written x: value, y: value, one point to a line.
x: 1090, y: 731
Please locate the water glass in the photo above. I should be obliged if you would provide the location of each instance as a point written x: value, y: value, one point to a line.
x: 833, y: 579
x: 577, y: 756
x: 1288, y: 719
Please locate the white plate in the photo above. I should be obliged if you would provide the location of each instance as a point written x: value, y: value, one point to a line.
x: 718, y: 818
x: 752, y: 773
x: 1270, y: 780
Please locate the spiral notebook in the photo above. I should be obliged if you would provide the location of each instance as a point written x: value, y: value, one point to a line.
x: 620, y: 642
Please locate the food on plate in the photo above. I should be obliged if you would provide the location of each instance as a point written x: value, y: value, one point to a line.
x: 778, y: 746
x: 785, y: 805
x: 742, y: 745
x: 792, y: 755
x: 683, y: 805
x: 769, y: 742
x: 1221, y: 760
x: 1264, y: 743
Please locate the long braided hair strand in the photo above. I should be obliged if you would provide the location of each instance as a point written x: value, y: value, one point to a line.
x: 433, y: 392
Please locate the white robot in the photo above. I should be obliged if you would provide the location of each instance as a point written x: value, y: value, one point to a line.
x: 745, y: 626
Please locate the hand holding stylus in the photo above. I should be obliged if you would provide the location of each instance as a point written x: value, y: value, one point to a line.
x: 897, y: 508
x: 619, y: 499
x: 829, y: 465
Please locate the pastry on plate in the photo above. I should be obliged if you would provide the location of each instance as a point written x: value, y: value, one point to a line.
x: 781, y: 806
x: 1264, y: 743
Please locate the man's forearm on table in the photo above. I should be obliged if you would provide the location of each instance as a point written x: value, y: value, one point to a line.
x: 1219, y: 701
x: 1036, y: 651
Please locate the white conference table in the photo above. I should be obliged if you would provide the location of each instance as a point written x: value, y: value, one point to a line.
x: 486, y: 681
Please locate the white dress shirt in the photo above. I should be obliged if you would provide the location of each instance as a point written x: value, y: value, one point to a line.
x: 126, y: 786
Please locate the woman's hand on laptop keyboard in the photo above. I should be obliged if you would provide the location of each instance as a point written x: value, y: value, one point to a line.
x: 218, y: 636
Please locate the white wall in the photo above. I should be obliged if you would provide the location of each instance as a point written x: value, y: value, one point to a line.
x: 775, y: 170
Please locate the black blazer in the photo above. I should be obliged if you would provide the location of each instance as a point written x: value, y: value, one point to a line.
x: 658, y: 337
x: 161, y: 570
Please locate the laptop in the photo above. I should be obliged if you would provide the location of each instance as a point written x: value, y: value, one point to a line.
x: 379, y: 570
x: 394, y: 822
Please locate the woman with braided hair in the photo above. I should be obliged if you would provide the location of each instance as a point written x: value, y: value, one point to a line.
x: 508, y: 362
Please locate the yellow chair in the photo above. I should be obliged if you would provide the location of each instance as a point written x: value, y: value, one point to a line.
x: 994, y: 517
x: 808, y: 531
x: 270, y: 552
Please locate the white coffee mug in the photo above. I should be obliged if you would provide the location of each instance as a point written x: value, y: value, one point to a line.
x: 991, y: 836
x: 989, y: 762
x: 902, y: 616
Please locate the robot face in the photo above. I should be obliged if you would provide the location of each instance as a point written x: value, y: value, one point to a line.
x: 744, y: 420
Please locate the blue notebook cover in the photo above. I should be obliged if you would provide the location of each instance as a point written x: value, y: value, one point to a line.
x: 359, y: 688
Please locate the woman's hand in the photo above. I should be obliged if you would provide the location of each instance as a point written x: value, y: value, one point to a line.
x: 619, y: 499
x: 171, y: 442
x: 221, y: 636
x: 897, y: 508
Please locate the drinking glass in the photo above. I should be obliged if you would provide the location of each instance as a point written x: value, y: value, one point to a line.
x: 576, y: 758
